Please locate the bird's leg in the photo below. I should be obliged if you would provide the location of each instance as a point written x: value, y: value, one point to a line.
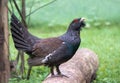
x: 22, y: 66
x: 29, y: 71
x: 58, y: 70
x: 52, y: 70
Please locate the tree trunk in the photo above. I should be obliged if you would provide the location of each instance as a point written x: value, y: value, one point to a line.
x: 4, y: 61
x: 80, y: 69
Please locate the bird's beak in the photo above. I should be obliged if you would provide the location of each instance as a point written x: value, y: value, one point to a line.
x: 82, y: 23
x: 82, y: 19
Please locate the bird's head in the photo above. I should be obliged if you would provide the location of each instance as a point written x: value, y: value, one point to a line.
x: 77, y: 24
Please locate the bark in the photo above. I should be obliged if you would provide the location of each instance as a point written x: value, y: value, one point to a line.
x: 4, y: 52
x: 22, y: 67
x: 80, y: 69
x: 24, y: 12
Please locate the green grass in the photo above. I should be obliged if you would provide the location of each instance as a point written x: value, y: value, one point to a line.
x: 106, y: 43
x: 103, y: 40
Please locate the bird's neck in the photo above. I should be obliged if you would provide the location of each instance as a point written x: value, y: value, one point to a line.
x: 73, y: 33
x: 71, y: 36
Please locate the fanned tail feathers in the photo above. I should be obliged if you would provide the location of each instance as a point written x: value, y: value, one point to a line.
x: 19, y: 34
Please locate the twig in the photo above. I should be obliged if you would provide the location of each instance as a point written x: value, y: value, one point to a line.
x: 30, y: 11
x: 9, y: 10
x: 40, y: 7
x: 11, y: 5
x: 24, y: 22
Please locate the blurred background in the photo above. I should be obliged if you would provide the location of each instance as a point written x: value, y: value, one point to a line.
x: 62, y: 12
x: 101, y: 34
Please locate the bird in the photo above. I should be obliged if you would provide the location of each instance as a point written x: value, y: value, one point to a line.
x: 51, y: 52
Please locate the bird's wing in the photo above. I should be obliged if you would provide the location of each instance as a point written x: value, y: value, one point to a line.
x: 50, y: 51
x: 46, y: 46
x: 60, y: 55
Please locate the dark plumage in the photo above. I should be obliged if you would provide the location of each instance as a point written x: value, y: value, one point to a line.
x: 50, y: 51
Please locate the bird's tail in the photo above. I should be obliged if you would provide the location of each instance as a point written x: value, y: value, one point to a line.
x: 20, y: 34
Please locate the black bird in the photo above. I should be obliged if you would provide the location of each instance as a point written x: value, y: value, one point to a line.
x: 50, y: 52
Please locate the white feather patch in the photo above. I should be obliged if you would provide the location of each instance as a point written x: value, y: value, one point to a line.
x: 49, y: 56
x: 63, y: 42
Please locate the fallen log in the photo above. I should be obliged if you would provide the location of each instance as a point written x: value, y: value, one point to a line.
x: 80, y: 69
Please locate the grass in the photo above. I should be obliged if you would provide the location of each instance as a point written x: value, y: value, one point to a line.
x: 103, y: 40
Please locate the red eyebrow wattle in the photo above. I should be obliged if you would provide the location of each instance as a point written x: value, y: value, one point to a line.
x: 76, y: 20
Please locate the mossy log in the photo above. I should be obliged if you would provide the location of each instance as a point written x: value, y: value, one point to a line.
x: 80, y: 69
